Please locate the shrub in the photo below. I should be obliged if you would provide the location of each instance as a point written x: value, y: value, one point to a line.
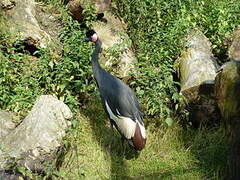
x: 62, y: 69
x: 156, y: 28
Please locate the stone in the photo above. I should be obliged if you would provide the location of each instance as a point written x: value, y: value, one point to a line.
x: 197, y: 66
x: 37, y: 139
x: 227, y: 90
x: 234, y: 49
x: 197, y: 70
x: 12, y: 175
x: 117, y: 51
x: 24, y: 21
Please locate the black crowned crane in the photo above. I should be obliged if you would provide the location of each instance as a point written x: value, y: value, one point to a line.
x: 119, y: 101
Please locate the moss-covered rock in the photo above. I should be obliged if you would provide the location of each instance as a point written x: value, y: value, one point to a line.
x: 234, y: 49
x: 197, y: 66
x: 37, y: 139
x: 227, y: 89
x: 197, y: 71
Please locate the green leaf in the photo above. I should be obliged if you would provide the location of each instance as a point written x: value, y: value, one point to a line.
x: 169, y: 121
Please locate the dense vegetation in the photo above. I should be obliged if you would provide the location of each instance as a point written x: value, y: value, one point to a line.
x: 156, y: 28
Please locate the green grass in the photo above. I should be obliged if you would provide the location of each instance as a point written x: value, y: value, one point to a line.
x: 171, y: 153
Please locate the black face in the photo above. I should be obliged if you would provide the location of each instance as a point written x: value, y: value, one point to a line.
x: 89, y: 35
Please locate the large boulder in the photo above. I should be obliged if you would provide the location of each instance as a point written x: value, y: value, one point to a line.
x: 37, y: 139
x: 234, y: 49
x: 227, y: 93
x: 197, y: 71
x: 117, y: 51
x: 227, y: 89
x: 29, y: 23
x: 12, y: 175
x: 197, y: 66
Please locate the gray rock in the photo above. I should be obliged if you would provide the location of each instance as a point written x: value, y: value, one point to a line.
x: 23, y: 19
x: 197, y: 66
x: 197, y: 71
x: 227, y: 90
x: 234, y: 49
x: 12, y: 175
x: 36, y: 140
x: 117, y: 51
x: 111, y: 31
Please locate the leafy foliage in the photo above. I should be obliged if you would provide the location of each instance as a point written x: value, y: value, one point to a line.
x: 62, y: 69
x: 72, y: 72
x: 19, y: 86
x: 157, y: 27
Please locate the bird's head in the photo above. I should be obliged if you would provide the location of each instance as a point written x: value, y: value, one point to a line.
x: 91, y: 35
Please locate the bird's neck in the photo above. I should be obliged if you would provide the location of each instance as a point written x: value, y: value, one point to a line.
x: 95, y: 56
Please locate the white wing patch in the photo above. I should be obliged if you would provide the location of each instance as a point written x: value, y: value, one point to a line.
x: 125, y: 124
x: 143, y: 131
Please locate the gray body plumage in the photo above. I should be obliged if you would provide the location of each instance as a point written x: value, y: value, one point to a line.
x: 119, y: 96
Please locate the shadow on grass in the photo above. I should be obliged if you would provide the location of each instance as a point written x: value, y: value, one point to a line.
x: 103, y: 133
x: 209, y: 147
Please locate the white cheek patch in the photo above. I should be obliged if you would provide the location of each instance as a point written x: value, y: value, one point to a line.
x: 94, y: 37
x: 125, y: 124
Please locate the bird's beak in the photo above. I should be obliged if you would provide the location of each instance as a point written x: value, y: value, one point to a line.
x: 86, y: 39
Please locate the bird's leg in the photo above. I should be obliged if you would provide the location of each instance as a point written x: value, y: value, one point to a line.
x: 123, y: 145
x: 112, y: 136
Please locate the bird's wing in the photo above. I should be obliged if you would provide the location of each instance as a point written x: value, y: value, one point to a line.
x: 121, y: 100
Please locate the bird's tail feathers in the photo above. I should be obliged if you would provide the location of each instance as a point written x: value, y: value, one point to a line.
x: 139, y: 138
